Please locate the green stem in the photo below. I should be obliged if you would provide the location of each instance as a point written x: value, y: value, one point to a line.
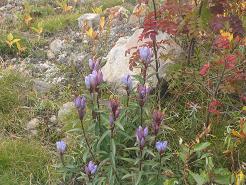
x: 141, y: 115
x: 86, y: 140
x: 159, y: 170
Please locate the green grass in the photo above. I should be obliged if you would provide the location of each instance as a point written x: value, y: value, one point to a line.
x: 25, y: 162
x: 55, y: 23
x: 15, y: 99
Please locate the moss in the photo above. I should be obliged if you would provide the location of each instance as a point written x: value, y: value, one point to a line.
x: 24, y: 162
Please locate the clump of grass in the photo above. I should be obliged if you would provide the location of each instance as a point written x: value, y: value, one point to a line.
x: 55, y: 23
x: 25, y: 162
x: 15, y: 98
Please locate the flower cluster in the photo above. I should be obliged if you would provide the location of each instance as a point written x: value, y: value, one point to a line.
x: 143, y: 92
x: 157, y: 117
x: 141, y: 135
x: 93, y: 80
x: 80, y: 104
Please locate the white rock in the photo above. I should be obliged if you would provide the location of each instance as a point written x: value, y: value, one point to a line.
x: 50, y: 55
x: 118, y: 62
x: 65, y: 110
x: 56, y: 46
x: 32, y: 126
x: 92, y: 20
x: 42, y: 87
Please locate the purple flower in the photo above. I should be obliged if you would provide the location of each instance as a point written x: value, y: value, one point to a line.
x: 141, y: 134
x: 61, y: 147
x: 91, y: 168
x: 94, y: 64
x: 115, y: 111
x: 145, y: 54
x: 143, y: 92
x: 161, y: 146
x: 157, y: 117
x: 127, y: 81
x: 80, y: 103
x: 93, y: 80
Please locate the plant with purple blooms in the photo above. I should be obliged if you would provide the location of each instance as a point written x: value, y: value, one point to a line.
x: 61, y: 148
x: 93, y: 80
x: 90, y: 168
x: 141, y: 135
x: 80, y: 104
x: 145, y: 54
x: 157, y: 118
x: 114, y: 114
x: 161, y: 146
x: 94, y: 64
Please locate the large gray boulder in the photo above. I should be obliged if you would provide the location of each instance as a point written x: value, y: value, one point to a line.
x: 118, y: 62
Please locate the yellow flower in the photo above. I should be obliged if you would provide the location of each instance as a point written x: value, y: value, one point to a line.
x: 240, y: 178
x: 227, y: 35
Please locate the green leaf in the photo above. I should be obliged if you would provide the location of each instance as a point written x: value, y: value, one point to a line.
x: 200, y: 180
x: 201, y: 146
x: 102, y: 138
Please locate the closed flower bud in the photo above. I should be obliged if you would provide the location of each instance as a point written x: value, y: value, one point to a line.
x: 161, y: 146
x: 94, y: 64
x: 91, y: 168
x: 127, y: 81
x: 145, y: 54
x: 61, y: 147
x: 141, y: 135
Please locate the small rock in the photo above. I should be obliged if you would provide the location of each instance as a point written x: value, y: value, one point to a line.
x: 56, y: 46
x: 92, y: 20
x: 53, y: 119
x: 42, y: 87
x: 65, y: 110
x: 32, y: 126
x: 62, y: 58
x: 50, y: 55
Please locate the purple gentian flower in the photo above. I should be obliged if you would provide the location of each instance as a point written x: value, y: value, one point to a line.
x: 145, y: 54
x: 80, y: 103
x: 141, y: 135
x: 93, y: 80
x: 61, y: 147
x: 94, y: 64
x: 91, y: 168
x: 115, y: 111
x: 127, y: 81
x: 161, y: 146
x: 158, y: 117
x: 143, y: 92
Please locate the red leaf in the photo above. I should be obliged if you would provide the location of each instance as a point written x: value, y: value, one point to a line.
x: 204, y: 69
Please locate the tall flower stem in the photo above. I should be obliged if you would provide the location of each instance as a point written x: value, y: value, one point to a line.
x: 86, y: 140
x: 62, y: 160
x: 99, y: 115
x: 159, y: 170
x: 156, y: 60
x: 140, y: 160
x: 141, y: 115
